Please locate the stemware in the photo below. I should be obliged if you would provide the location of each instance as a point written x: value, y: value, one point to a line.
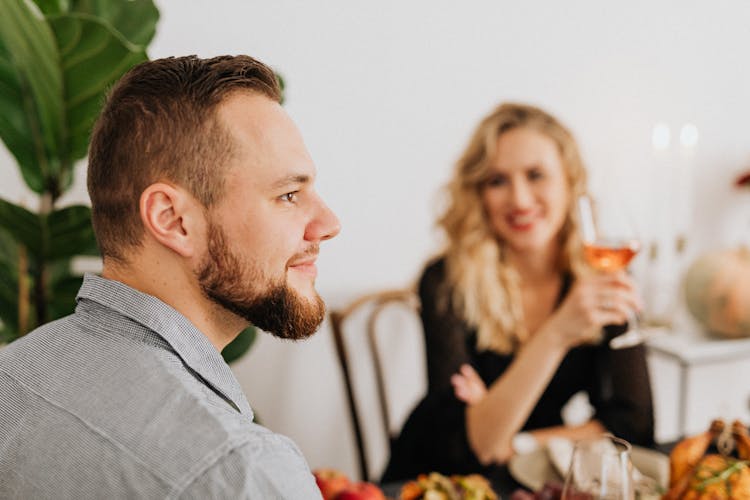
x: 609, y: 244
x: 600, y: 469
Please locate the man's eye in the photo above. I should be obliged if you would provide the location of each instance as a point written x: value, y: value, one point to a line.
x: 290, y: 197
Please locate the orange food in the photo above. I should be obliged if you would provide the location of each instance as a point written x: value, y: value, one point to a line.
x: 435, y: 486
x: 694, y: 475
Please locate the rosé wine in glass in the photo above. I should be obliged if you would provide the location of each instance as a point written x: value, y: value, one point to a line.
x: 608, y: 247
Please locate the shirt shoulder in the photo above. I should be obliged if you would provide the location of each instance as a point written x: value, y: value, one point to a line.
x: 116, y: 405
x: 267, y: 465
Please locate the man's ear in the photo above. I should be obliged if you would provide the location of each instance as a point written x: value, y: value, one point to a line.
x: 172, y: 217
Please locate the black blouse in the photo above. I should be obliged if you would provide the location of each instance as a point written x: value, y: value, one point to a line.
x: 434, y: 436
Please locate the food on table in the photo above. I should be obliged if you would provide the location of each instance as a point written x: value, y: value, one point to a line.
x: 435, y: 486
x: 361, y: 491
x: 552, y: 490
x: 330, y: 482
x: 694, y: 475
x: 335, y: 485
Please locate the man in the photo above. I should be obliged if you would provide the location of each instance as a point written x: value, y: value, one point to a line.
x: 206, y: 216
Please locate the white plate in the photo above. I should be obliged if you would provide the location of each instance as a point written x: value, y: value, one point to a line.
x: 534, y: 469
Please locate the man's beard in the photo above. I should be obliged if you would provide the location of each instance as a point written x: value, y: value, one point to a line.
x: 271, y: 305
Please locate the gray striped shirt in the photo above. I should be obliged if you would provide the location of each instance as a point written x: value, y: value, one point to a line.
x: 125, y: 398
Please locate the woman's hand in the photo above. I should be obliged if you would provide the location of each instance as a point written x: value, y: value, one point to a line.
x: 468, y: 386
x: 593, y: 302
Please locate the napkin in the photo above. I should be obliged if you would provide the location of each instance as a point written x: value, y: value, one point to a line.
x: 560, y: 453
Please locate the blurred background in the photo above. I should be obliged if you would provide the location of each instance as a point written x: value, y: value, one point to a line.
x: 386, y: 94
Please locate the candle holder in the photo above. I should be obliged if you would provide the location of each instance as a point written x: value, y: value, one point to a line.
x: 665, y: 267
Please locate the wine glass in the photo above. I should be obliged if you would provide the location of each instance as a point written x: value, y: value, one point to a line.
x: 600, y: 469
x: 609, y: 244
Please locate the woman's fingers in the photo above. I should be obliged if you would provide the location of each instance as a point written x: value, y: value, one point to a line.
x: 468, y: 386
x: 620, y: 287
x: 612, y: 293
x: 471, y: 374
x: 596, y: 301
x: 617, y: 300
x: 461, y: 389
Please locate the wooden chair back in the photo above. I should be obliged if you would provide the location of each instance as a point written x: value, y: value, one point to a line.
x: 386, y: 328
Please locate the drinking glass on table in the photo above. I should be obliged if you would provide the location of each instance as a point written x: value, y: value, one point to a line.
x: 600, y: 469
x: 609, y: 244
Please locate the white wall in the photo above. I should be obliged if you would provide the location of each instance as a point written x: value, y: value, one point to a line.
x: 386, y: 93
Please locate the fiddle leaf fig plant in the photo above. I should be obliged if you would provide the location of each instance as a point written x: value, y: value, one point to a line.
x: 57, y: 60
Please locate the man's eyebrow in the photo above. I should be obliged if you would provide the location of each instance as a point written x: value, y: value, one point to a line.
x: 290, y: 180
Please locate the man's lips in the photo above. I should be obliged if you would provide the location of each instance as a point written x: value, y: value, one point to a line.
x: 306, y: 266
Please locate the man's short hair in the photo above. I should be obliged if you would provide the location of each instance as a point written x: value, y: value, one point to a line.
x: 159, y: 123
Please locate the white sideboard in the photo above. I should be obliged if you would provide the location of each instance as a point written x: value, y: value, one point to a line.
x: 696, y: 378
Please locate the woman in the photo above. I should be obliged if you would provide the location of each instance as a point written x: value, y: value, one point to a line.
x: 513, y: 319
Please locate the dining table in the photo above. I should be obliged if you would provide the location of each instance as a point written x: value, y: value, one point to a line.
x: 503, y: 482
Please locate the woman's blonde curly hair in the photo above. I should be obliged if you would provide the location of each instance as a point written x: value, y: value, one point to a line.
x: 485, y: 289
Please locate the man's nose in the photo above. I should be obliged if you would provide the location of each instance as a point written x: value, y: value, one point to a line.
x: 324, y: 226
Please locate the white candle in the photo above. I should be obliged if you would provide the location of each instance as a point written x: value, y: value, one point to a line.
x: 684, y: 186
x: 661, y: 223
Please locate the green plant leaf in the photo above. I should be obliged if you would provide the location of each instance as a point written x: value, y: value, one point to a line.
x: 240, y: 345
x: 31, y: 90
x: 57, y: 60
x: 15, y: 129
x: 282, y: 86
x: 53, y: 77
x: 70, y: 233
x: 24, y: 226
x: 51, y: 7
x: 50, y: 242
x: 8, y: 286
x: 8, y: 297
x: 93, y: 58
x: 62, y: 295
x: 135, y: 19
x: 6, y: 335
x: 8, y: 247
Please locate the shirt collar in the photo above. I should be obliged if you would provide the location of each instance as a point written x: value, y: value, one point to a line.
x: 190, y: 344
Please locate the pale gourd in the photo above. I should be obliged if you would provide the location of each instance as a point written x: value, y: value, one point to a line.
x: 717, y: 292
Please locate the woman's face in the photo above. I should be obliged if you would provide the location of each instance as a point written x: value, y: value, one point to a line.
x: 526, y: 195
